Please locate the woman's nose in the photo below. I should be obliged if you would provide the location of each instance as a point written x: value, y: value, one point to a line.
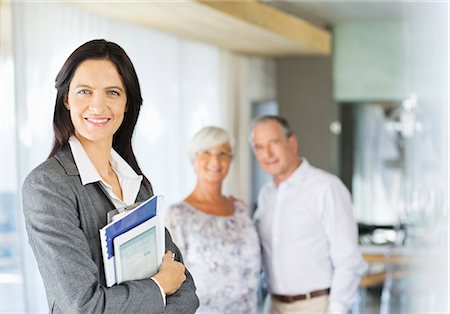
x: 97, y: 104
x: 214, y: 158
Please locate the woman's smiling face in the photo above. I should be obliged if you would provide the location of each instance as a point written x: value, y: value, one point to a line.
x: 96, y: 100
x: 212, y: 164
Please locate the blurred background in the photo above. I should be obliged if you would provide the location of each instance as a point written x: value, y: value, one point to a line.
x: 364, y: 85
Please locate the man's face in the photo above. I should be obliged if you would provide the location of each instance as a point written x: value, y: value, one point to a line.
x: 276, y: 154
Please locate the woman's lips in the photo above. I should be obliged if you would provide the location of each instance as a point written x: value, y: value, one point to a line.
x: 97, y: 121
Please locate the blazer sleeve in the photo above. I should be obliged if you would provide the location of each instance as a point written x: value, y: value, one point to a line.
x: 70, y: 275
x: 184, y: 300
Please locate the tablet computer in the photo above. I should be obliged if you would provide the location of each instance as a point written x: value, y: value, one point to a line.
x: 139, y: 251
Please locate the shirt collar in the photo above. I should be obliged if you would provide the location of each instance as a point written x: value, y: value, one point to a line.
x: 89, y: 174
x: 296, y: 177
x: 123, y: 169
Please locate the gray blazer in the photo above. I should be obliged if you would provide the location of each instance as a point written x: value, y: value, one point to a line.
x: 63, y: 219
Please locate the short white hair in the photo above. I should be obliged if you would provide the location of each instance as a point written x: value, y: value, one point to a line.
x: 208, y: 137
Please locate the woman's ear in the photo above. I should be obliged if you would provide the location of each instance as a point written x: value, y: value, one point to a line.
x: 66, y: 103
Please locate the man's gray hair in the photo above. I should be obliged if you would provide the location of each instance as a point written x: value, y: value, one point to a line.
x: 208, y: 137
x: 280, y: 120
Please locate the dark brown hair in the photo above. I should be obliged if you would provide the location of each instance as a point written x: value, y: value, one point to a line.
x: 63, y: 128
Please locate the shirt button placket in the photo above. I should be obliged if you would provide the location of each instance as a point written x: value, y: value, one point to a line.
x: 276, y: 236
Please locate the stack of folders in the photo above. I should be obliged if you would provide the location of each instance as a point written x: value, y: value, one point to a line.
x: 133, y: 242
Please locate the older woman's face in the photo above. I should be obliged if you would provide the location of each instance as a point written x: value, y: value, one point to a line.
x: 212, y: 164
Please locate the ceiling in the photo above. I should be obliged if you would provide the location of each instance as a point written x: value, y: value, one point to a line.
x: 329, y: 13
x: 260, y: 27
x: 248, y: 27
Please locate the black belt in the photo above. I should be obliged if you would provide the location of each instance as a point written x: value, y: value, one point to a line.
x: 299, y: 297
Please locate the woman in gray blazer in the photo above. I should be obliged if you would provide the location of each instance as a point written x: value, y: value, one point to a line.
x: 91, y: 170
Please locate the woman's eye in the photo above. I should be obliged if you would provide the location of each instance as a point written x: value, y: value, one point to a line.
x: 84, y: 92
x: 114, y: 93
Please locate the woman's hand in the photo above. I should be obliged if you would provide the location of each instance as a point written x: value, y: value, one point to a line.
x: 171, y: 274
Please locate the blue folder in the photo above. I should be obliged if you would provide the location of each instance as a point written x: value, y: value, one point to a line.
x: 140, y: 214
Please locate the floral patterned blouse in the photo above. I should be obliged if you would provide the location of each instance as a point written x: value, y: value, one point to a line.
x: 223, y: 255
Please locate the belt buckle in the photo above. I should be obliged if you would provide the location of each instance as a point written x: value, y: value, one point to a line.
x: 308, y: 296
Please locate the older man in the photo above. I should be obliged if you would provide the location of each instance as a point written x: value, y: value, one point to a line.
x: 306, y: 225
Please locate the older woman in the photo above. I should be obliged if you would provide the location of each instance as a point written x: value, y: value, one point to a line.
x: 215, y: 233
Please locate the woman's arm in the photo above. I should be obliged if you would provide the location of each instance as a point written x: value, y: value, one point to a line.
x: 70, y: 274
x: 184, y: 300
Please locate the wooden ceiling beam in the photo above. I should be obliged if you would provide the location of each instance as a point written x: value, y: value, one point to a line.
x: 309, y: 38
x: 248, y: 27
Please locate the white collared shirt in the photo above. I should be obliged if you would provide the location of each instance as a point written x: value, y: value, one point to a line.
x: 309, y: 236
x: 129, y: 180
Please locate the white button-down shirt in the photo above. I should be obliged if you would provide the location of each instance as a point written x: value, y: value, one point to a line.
x: 309, y: 236
x: 129, y: 180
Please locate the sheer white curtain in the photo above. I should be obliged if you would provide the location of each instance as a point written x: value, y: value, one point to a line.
x: 183, y: 89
